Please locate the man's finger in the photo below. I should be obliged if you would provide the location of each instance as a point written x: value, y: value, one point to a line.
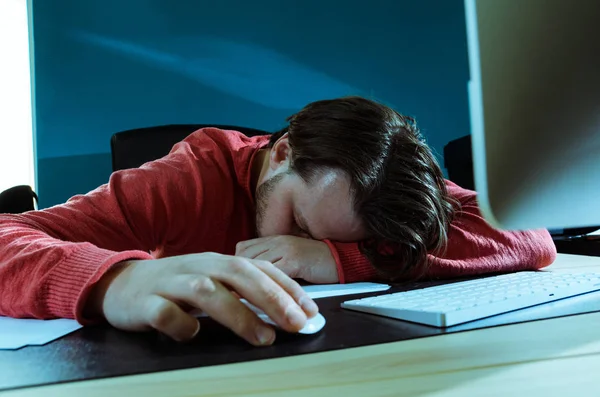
x: 271, y: 290
x: 219, y: 303
x: 294, y: 289
x: 168, y: 318
x: 254, y: 251
x: 288, y: 268
x: 273, y: 256
x: 245, y: 245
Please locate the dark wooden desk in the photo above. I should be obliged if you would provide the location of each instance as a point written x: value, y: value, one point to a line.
x: 356, y: 354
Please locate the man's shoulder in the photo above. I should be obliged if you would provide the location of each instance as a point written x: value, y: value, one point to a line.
x: 227, y: 140
x: 457, y: 192
x: 218, y: 154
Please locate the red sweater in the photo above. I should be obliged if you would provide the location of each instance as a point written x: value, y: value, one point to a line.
x: 197, y: 199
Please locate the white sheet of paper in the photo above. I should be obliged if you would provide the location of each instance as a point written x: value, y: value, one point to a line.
x: 16, y: 333
x: 326, y: 290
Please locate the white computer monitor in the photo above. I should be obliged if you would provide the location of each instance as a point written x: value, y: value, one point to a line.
x: 535, y: 111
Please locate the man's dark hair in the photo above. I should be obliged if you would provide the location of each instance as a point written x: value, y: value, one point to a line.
x: 398, y: 187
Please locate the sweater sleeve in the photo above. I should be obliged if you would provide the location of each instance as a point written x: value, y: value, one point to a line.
x: 50, y: 259
x: 474, y: 247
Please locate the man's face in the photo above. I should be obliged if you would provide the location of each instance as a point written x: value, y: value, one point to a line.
x: 323, y: 209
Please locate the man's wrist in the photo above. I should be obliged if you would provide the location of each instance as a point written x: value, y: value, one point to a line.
x: 93, y: 308
x: 338, y: 263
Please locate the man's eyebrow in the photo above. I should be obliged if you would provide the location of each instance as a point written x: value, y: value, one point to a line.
x: 302, y: 223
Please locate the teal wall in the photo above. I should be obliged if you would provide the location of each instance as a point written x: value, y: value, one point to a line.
x: 105, y: 66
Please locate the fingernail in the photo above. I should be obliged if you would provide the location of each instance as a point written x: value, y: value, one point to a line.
x: 197, y: 330
x: 264, y: 335
x: 295, y: 317
x: 309, y: 305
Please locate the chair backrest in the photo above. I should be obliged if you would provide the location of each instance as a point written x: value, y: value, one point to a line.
x: 458, y: 161
x: 17, y: 199
x: 132, y: 148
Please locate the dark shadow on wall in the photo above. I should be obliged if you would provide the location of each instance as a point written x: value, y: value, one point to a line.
x: 60, y: 178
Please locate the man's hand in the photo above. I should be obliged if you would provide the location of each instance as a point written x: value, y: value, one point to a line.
x: 158, y: 294
x: 298, y: 257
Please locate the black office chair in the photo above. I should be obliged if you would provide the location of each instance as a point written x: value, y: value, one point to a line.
x: 132, y: 148
x: 458, y: 161
x: 17, y: 199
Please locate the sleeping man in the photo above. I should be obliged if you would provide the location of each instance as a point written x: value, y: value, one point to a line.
x: 348, y: 191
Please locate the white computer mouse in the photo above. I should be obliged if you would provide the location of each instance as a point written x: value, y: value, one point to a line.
x: 312, y: 326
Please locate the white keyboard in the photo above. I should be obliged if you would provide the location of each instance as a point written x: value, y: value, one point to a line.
x: 460, y: 302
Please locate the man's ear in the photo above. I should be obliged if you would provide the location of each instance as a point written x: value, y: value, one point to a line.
x: 280, y: 154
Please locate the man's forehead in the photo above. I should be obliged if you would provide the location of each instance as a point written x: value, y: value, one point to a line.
x: 330, y: 180
x: 327, y: 206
